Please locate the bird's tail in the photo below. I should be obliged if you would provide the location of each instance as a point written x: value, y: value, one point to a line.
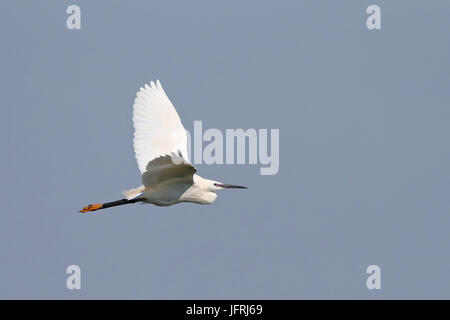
x: 133, y: 193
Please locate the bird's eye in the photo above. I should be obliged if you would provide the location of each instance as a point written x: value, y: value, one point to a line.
x: 216, y: 184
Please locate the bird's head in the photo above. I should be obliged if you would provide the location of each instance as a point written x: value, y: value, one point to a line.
x: 210, y: 186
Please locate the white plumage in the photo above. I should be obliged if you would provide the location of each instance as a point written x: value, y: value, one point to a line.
x: 158, y: 128
x: 160, y: 145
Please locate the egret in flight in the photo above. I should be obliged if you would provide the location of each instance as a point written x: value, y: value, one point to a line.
x: 160, y: 146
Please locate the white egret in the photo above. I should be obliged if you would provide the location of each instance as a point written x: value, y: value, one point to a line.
x: 160, y: 146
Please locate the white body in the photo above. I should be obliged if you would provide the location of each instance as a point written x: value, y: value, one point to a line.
x: 180, y: 190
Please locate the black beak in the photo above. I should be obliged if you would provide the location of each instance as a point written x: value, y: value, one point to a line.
x: 231, y: 186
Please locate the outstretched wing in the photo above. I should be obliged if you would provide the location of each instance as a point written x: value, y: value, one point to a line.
x: 158, y: 130
x: 167, y: 167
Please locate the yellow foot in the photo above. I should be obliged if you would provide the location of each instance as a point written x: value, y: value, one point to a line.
x: 92, y: 207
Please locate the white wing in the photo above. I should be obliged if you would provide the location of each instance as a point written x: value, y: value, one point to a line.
x: 158, y: 130
x: 167, y: 167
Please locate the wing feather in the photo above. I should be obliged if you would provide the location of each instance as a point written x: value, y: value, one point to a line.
x: 158, y: 130
x: 165, y: 168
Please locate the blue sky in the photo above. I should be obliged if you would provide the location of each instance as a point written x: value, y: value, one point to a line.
x: 364, y: 158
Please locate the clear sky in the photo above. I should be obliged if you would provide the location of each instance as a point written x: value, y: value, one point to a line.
x: 364, y: 149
